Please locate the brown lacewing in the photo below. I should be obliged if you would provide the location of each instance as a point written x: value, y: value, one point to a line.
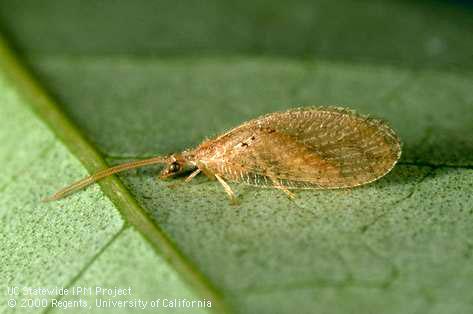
x: 303, y: 148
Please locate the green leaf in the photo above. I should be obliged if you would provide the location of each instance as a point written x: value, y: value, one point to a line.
x: 72, y: 242
x: 418, y: 34
x: 375, y: 245
x: 401, y: 244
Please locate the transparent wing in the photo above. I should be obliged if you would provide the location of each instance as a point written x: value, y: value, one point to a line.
x: 310, y: 148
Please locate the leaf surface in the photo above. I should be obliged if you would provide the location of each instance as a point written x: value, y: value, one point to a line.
x: 400, y: 245
x: 57, y: 245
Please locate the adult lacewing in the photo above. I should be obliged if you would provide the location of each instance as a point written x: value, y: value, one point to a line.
x: 302, y: 148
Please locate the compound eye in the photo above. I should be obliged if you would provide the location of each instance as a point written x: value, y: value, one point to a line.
x: 174, y: 167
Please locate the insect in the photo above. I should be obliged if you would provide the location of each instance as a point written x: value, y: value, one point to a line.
x: 302, y: 148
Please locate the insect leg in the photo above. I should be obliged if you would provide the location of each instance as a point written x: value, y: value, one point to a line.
x: 283, y: 188
x: 205, y: 171
x: 227, y: 189
x: 192, y: 175
x: 188, y: 179
x: 276, y: 183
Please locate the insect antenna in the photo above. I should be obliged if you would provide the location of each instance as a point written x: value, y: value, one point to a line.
x: 102, y: 174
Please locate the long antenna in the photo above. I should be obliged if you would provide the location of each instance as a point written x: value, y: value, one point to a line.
x: 102, y: 174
